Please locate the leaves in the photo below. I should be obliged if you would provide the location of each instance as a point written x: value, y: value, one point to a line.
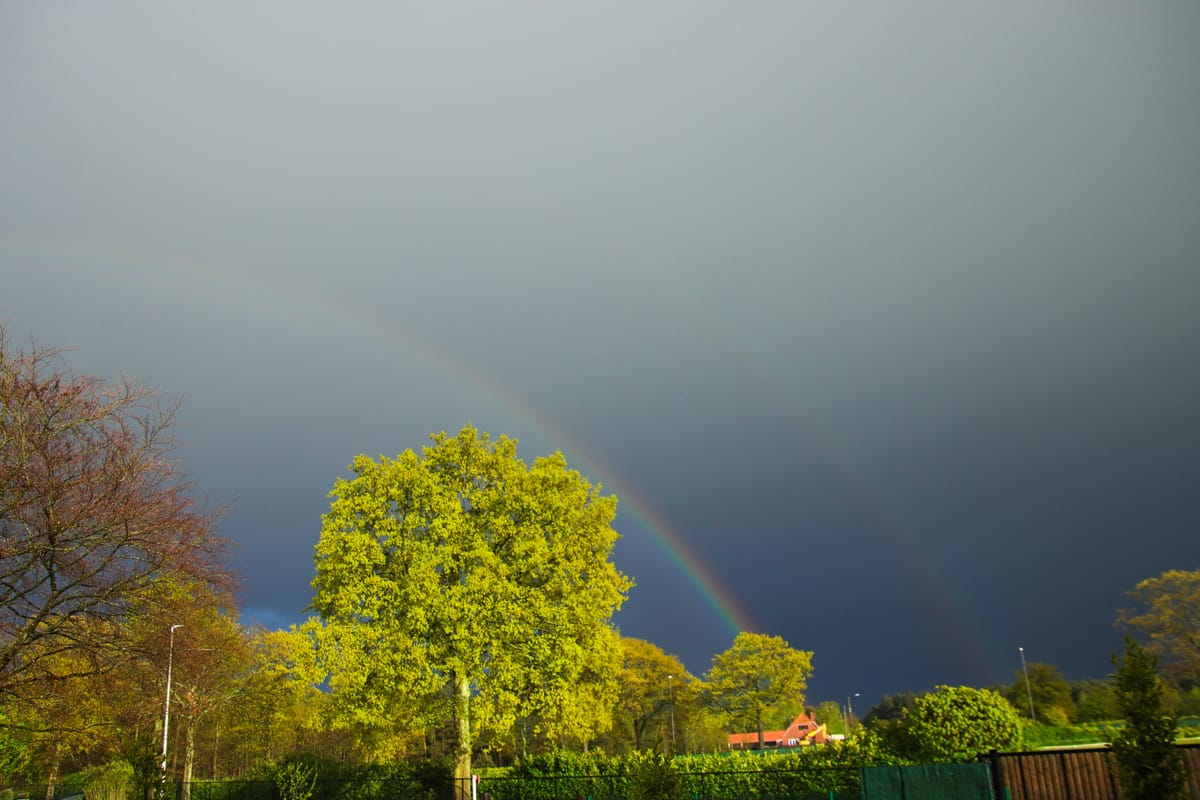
x: 464, y: 567
x: 1148, y: 764
x: 958, y: 723
x: 93, y: 511
x: 1169, y: 614
x: 758, y: 677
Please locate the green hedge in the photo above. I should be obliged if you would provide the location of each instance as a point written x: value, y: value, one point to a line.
x: 811, y: 772
x: 426, y: 780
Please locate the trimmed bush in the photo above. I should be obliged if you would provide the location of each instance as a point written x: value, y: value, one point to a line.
x: 653, y: 776
x: 111, y: 781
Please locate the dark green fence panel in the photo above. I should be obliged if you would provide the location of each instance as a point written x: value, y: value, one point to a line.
x: 934, y: 782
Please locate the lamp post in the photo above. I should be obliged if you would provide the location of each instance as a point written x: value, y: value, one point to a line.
x: 850, y: 713
x: 1028, y: 688
x: 671, y: 689
x: 167, y: 703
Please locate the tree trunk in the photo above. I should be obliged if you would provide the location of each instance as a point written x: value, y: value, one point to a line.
x: 189, y: 759
x: 462, y: 745
x: 52, y: 777
x: 760, y: 731
x: 216, y: 749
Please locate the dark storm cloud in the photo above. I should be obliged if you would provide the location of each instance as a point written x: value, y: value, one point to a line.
x: 888, y: 313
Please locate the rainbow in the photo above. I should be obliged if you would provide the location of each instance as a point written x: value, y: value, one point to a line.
x: 961, y: 620
x: 720, y: 601
x: 290, y: 300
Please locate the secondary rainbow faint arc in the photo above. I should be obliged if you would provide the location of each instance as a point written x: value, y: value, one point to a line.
x: 961, y: 617
x: 874, y: 498
x: 217, y: 282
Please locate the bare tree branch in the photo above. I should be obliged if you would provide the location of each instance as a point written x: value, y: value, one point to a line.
x: 94, y: 509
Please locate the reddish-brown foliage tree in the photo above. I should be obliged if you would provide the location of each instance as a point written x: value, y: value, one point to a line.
x: 94, y: 509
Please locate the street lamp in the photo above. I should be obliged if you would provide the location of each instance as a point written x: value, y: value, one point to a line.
x: 849, y: 713
x: 1028, y: 689
x: 167, y: 703
x: 671, y: 689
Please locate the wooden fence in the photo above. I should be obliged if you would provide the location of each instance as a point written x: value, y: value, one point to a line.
x: 1071, y: 774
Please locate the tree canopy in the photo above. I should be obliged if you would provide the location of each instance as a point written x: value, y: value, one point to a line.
x: 1168, y: 613
x: 958, y: 723
x: 462, y: 584
x: 1149, y: 765
x: 93, y: 511
x: 652, y: 688
x: 1044, y: 686
x: 757, y: 678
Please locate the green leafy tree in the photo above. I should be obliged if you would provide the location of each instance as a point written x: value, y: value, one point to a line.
x: 759, y: 678
x: 209, y: 653
x: 67, y: 722
x: 650, y: 699
x: 295, y: 780
x: 891, y: 708
x: 1149, y: 766
x: 1095, y: 700
x: 831, y: 714
x: 557, y: 715
x: 884, y: 720
x: 276, y: 712
x: 14, y: 750
x: 1168, y: 613
x: 1053, y: 701
x: 958, y: 723
x: 1189, y: 702
x: 462, y: 581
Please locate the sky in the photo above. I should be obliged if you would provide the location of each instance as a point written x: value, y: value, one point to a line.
x: 879, y: 318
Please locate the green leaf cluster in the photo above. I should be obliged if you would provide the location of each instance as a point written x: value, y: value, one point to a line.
x: 1168, y: 613
x: 1051, y: 693
x: 109, y: 781
x: 461, y: 584
x: 758, y: 681
x: 1149, y: 765
x: 653, y: 775
x: 560, y: 763
x: 957, y: 724
x: 296, y: 780
x: 423, y: 780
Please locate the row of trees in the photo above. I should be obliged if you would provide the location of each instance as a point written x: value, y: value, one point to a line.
x: 463, y: 600
x: 464, y: 603
x: 1046, y: 698
x: 99, y: 534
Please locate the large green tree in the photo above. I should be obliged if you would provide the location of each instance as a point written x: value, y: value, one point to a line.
x: 759, y: 678
x: 652, y: 696
x: 208, y: 653
x: 831, y: 714
x: 1052, y: 698
x: 1168, y: 613
x: 1095, y: 700
x: 463, y: 584
x: 277, y: 705
x: 958, y: 723
x: 1149, y: 765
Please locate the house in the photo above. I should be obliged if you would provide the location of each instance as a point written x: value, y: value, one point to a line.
x: 804, y: 730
